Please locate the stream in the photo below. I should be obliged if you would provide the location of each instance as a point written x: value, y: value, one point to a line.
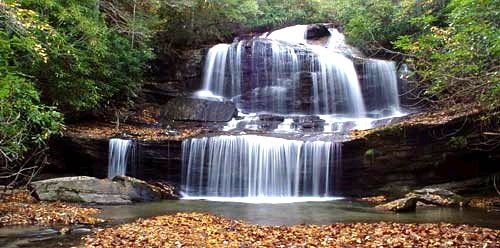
x: 298, y: 213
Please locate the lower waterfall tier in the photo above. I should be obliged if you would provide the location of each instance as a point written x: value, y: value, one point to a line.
x: 257, y: 166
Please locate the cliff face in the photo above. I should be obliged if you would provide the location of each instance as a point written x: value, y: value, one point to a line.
x: 392, y: 160
x: 397, y: 159
x: 84, y: 156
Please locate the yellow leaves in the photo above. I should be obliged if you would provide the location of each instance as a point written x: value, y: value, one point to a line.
x: 445, y: 34
x: 41, y: 52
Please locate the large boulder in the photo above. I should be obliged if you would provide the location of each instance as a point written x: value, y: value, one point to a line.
x: 194, y: 109
x: 90, y: 190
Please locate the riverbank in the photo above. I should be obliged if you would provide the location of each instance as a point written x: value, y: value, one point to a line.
x: 204, y: 230
x: 194, y: 229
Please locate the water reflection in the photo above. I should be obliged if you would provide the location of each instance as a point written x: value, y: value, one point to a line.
x: 343, y: 211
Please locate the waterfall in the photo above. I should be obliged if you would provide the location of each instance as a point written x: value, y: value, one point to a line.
x: 337, y: 89
x: 293, y: 34
x: 265, y: 77
x: 118, y: 157
x: 255, y: 166
x: 381, y: 85
x: 308, y: 86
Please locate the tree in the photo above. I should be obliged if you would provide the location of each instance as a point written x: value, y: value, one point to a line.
x: 457, y: 52
x: 25, y: 123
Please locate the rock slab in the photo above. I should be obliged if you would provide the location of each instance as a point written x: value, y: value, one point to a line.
x: 427, y: 196
x: 191, y: 109
x: 90, y: 190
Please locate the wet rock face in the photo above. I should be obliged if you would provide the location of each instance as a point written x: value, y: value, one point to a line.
x: 190, y: 109
x: 177, y: 76
x: 83, y: 156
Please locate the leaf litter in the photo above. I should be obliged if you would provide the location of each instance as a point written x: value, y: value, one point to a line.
x: 205, y: 230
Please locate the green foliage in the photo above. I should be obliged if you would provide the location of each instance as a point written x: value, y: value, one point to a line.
x: 66, y: 55
x: 25, y: 122
x: 89, y: 64
x: 457, y: 142
x: 190, y: 23
x: 457, y: 59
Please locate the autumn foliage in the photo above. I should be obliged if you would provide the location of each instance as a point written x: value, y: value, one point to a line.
x: 204, y: 230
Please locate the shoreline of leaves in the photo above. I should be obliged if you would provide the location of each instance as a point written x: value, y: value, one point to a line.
x: 204, y: 230
x: 19, y: 208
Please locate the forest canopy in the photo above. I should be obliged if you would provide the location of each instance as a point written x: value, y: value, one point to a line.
x: 62, y: 58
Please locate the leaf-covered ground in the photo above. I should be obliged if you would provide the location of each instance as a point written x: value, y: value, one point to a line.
x: 105, y: 130
x: 203, y: 230
x: 20, y: 209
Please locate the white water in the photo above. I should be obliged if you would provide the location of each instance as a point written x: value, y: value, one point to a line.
x: 381, y: 79
x: 293, y: 34
x: 118, y: 156
x: 260, y: 200
x: 282, y: 75
x: 255, y: 166
x: 337, y: 82
x: 272, y: 82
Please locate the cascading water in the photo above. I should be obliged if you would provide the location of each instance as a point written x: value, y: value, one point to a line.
x: 381, y: 96
x: 118, y: 157
x: 266, y: 77
x: 284, y: 77
x: 344, y: 91
x: 254, y: 166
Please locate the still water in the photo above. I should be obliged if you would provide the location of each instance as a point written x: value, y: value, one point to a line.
x: 326, y: 212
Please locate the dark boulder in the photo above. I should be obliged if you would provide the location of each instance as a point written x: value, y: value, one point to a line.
x: 317, y: 31
x: 192, y: 109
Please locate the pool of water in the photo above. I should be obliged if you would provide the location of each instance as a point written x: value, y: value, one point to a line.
x: 326, y: 212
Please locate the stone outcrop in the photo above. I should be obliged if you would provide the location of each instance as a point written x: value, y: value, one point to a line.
x: 90, y: 190
x: 191, y: 109
x: 399, y: 158
x: 427, y: 196
x: 178, y: 75
x: 392, y: 161
x: 407, y: 204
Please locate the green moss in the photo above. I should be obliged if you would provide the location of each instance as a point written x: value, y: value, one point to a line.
x: 370, y: 153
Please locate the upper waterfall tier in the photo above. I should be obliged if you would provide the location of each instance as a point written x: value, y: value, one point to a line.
x: 293, y: 71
